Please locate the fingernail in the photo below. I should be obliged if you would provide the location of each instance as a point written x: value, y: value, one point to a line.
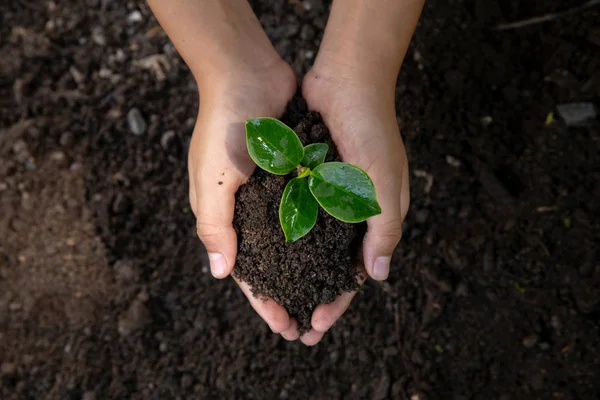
x: 218, y: 265
x: 381, y: 268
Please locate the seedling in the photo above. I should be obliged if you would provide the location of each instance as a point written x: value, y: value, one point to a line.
x: 344, y: 191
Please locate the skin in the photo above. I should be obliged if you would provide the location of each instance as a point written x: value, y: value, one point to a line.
x: 352, y: 84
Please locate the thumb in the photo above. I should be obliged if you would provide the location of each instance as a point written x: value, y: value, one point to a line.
x: 214, y: 208
x: 385, y: 230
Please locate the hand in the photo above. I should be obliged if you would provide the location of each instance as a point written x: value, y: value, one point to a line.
x: 362, y: 121
x: 219, y: 163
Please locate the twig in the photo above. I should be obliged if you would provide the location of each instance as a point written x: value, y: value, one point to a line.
x: 547, y: 17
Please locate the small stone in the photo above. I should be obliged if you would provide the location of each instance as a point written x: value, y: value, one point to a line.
x: 59, y: 158
x: 462, y: 290
x: 186, y: 381
x: 135, y: 16
x: 537, y: 382
x: 137, y: 123
x: 453, y: 161
x: 417, y: 357
x: 556, y: 322
x: 291, y: 30
x: 166, y: 139
x: 487, y: 120
x: 421, y: 216
x: 307, y: 32
x: 89, y: 395
x: 14, y: 306
x: 21, y: 149
x: 530, y: 340
x: 309, y: 54
x: 66, y: 139
x: 134, y: 319
x: 98, y: 36
x: 576, y: 113
x: 7, y: 368
x: 162, y: 347
x: 125, y: 272
x: 544, y: 345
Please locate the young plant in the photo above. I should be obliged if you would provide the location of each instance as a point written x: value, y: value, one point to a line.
x: 344, y: 191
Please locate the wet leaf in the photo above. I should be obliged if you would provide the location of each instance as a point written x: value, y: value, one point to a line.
x: 273, y: 146
x: 344, y: 191
x: 298, y: 210
x: 314, y: 154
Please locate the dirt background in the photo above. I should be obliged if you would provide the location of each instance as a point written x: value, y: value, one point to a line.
x: 105, y: 291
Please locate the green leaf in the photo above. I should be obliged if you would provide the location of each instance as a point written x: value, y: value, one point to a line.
x: 273, y: 146
x: 314, y: 154
x: 298, y: 210
x: 344, y: 191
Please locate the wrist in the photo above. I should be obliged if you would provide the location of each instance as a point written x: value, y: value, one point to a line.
x: 357, y: 79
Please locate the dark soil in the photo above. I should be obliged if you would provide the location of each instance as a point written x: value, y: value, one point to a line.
x: 308, y: 272
x: 105, y: 290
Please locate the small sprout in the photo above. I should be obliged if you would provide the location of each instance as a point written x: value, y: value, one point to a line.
x: 438, y: 348
x: 519, y: 288
x: 344, y: 191
x: 567, y: 222
x: 550, y: 118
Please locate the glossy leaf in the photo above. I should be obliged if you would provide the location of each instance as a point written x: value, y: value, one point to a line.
x: 314, y: 154
x: 298, y: 210
x: 273, y: 146
x: 344, y: 191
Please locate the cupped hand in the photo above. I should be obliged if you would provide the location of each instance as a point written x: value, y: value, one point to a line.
x: 361, y: 118
x: 218, y: 163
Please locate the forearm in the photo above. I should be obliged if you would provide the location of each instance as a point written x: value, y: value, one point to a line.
x: 368, y: 39
x: 215, y: 37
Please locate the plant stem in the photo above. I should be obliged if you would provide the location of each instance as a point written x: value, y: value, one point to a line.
x: 303, y: 172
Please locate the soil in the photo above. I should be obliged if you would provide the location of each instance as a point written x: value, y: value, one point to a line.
x: 105, y: 291
x: 314, y: 269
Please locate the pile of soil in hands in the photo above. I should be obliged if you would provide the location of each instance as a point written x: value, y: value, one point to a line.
x: 303, y: 274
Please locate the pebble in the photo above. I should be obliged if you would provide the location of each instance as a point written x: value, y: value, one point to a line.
x: 135, y: 16
x: 125, y: 272
x: 556, y: 322
x: 576, y: 113
x: 137, y: 123
x: 530, y: 340
x: 7, y: 368
x: 186, y: 381
x: 134, y: 319
x: 421, y: 216
x: 453, y: 161
x: 98, y: 36
x: 67, y: 139
x: 89, y: 395
x: 59, y: 158
x: 166, y: 139
x: 462, y: 289
x: 307, y: 32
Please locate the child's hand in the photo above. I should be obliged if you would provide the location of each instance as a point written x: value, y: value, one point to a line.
x: 219, y: 163
x: 362, y: 121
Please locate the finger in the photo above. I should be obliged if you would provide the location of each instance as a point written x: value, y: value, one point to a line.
x: 311, y: 337
x: 326, y: 315
x: 291, y: 333
x: 385, y: 230
x: 274, y: 315
x: 212, y: 197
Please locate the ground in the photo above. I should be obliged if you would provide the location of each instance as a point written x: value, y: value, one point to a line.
x: 105, y: 290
